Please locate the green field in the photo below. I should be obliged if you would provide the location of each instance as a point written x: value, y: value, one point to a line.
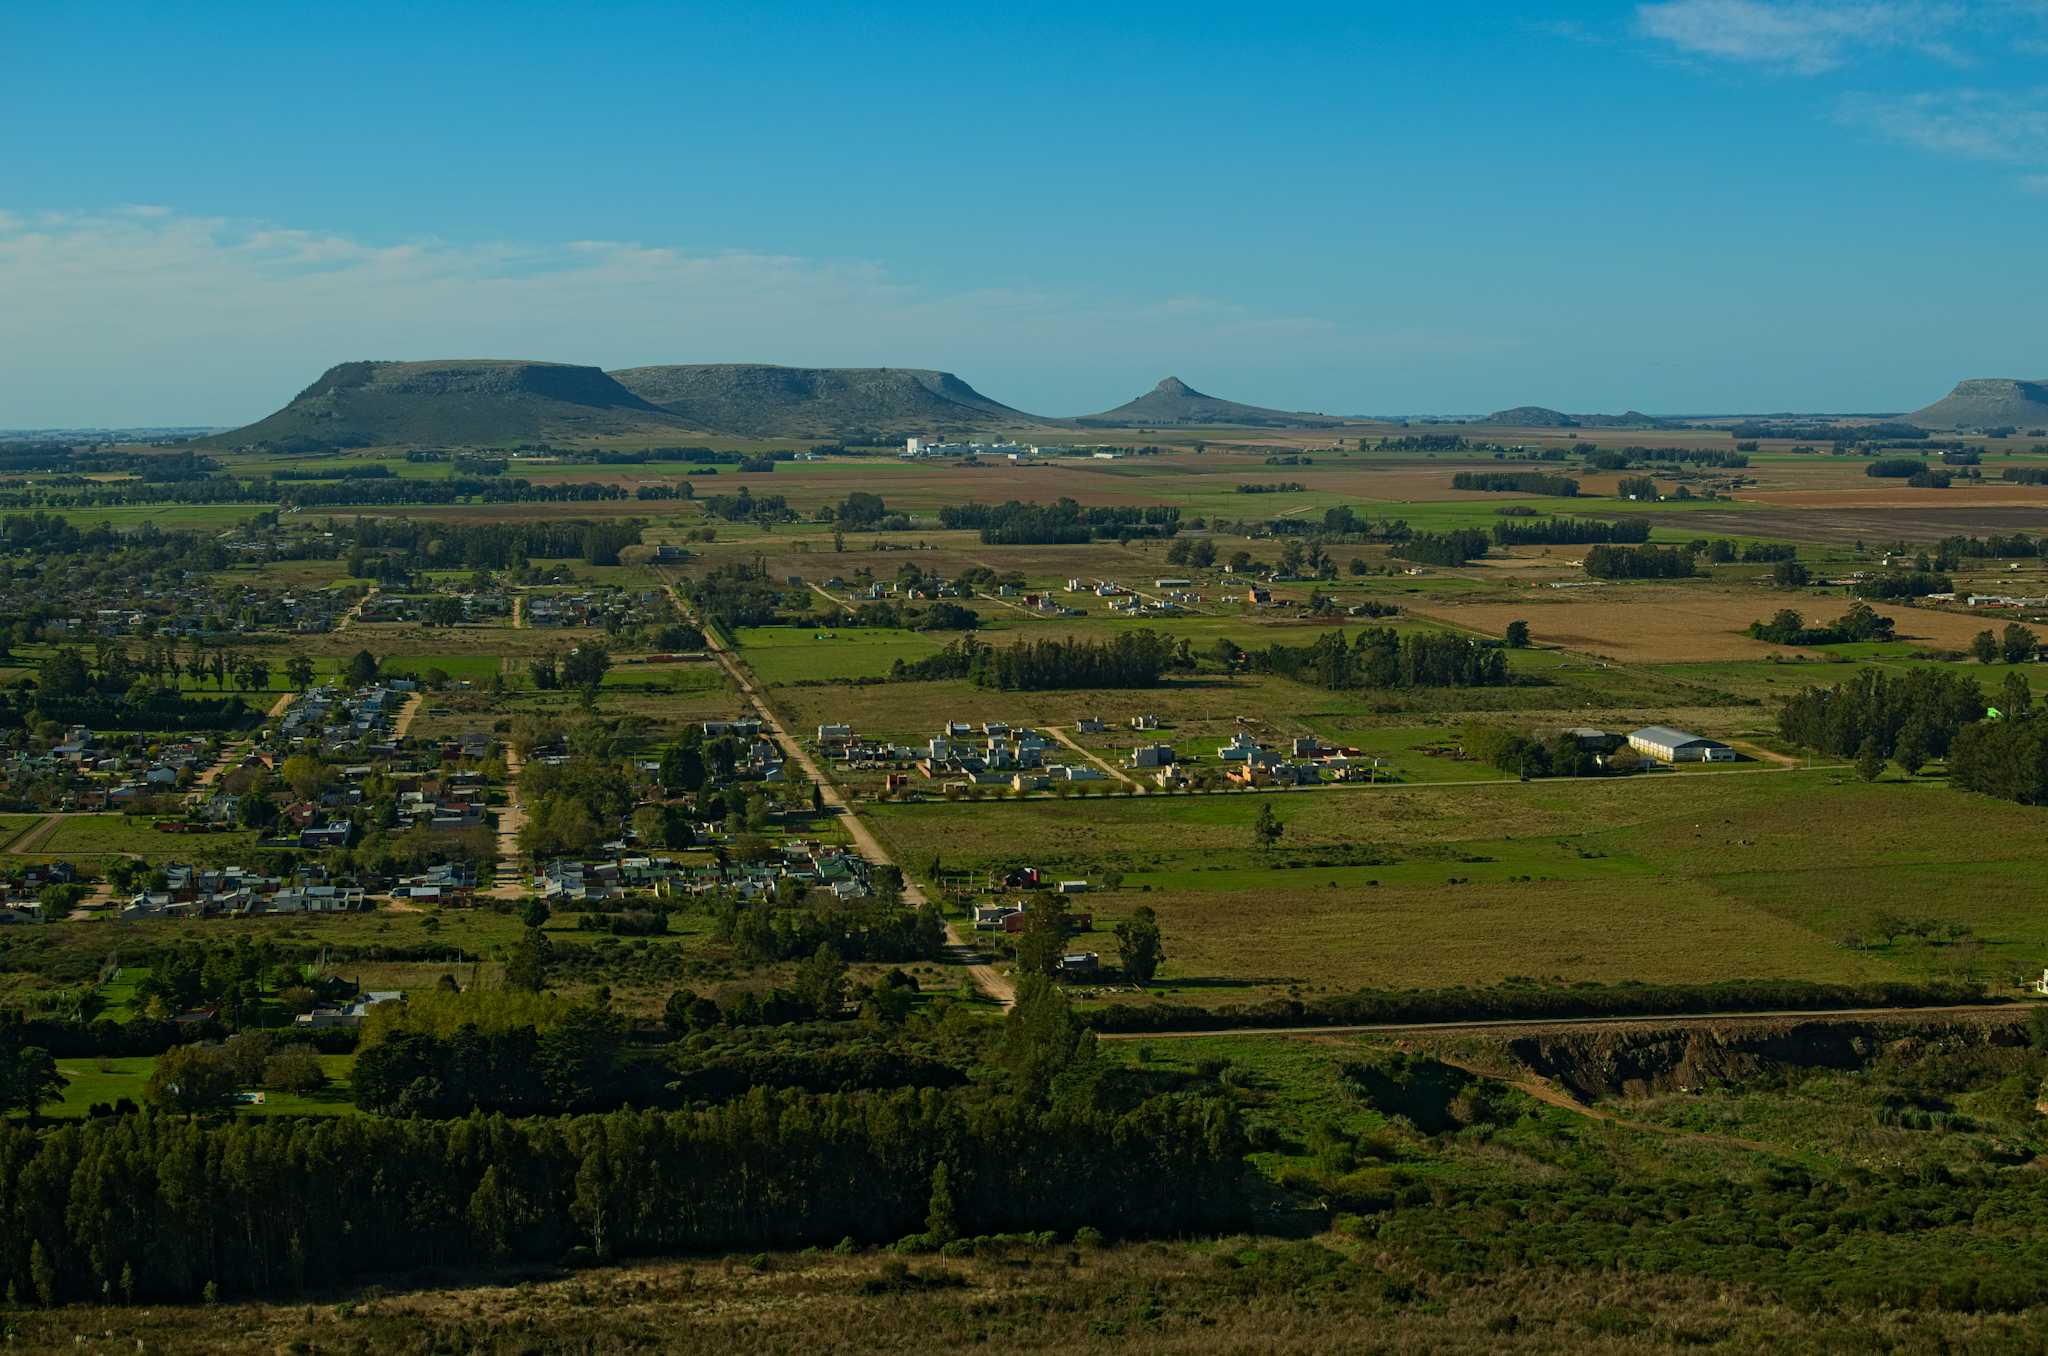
x: 109, y: 1079
x: 1659, y: 877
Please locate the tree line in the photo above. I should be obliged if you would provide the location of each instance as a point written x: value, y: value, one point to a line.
x: 1133, y: 659
x: 1568, y: 532
x: 1380, y: 657
x: 159, y: 1207
x: 1517, y: 482
x: 1064, y: 522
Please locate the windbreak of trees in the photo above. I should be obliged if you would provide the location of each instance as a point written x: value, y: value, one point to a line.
x: 1521, y: 754
x: 164, y: 1208
x: 1639, y: 562
x: 1517, y: 482
x: 1911, y: 716
x: 873, y: 933
x: 1133, y: 659
x: 1567, y: 531
x: 1062, y: 523
x: 2026, y: 475
x: 1621, y: 458
x: 1896, y: 468
x: 1952, y: 551
x: 1381, y: 657
x: 1442, y: 548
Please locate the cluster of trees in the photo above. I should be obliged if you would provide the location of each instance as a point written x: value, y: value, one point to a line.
x: 865, y: 512
x: 734, y: 595
x: 1911, y: 718
x: 2007, y: 757
x: 1787, y: 627
x: 875, y: 930
x: 1062, y: 523
x: 2015, y: 645
x: 583, y: 667
x: 1523, y: 754
x: 1517, y: 482
x: 1568, y: 532
x: 1893, y: 584
x: 1132, y: 659
x: 573, y: 1063
x: 1199, y: 552
x: 1950, y: 552
x: 1382, y: 657
x: 2026, y: 475
x: 1896, y: 468
x: 1443, y: 548
x: 746, y: 506
x: 1639, y: 562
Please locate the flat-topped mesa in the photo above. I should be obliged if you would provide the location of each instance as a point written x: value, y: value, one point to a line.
x: 452, y: 402
x: 1988, y: 402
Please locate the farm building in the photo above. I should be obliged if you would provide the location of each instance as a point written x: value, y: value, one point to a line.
x: 1678, y: 746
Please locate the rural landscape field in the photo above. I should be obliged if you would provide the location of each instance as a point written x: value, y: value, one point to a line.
x: 676, y: 831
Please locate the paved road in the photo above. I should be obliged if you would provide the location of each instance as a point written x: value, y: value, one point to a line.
x: 959, y: 949
x: 1543, y: 1024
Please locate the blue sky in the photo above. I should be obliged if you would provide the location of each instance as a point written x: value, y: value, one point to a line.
x: 1686, y: 206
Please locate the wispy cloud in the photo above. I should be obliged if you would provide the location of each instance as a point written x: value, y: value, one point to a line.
x: 1807, y: 37
x: 213, y: 320
x: 1971, y: 124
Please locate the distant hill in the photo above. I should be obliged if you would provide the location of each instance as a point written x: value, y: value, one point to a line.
x: 1531, y: 416
x: 1173, y: 401
x: 1538, y: 416
x: 453, y: 402
x: 766, y: 401
x: 1988, y: 402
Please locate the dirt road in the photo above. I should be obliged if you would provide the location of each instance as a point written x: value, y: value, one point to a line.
x: 960, y: 949
x: 511, y: 882
x: 1057, y: 733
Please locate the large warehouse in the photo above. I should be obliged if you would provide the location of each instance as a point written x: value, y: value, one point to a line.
x: 1677, y: 746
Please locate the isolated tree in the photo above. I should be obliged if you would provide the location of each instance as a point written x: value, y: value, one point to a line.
x: 1910, y: 752
x: 1041, y: 1037
x: 298, y: 671
x: 2018, y: 644
x: 28, y: 1075
x: 821, y: 981
x: 190, y: 1078
x: 545, y: 672
x: 64, y: 674
x: 1870, y: 760
x: 1518, y: 635
x: 360, y: 669
x: 1790, y: 574
x: 1984, y: 647
x: 526, y: 968
x: 1139, y: 942
x: 586, y: 665
x: 942, y: 1214
x: 1043, y: 941
x: 1266, y: 826
x: 2015, y: 696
